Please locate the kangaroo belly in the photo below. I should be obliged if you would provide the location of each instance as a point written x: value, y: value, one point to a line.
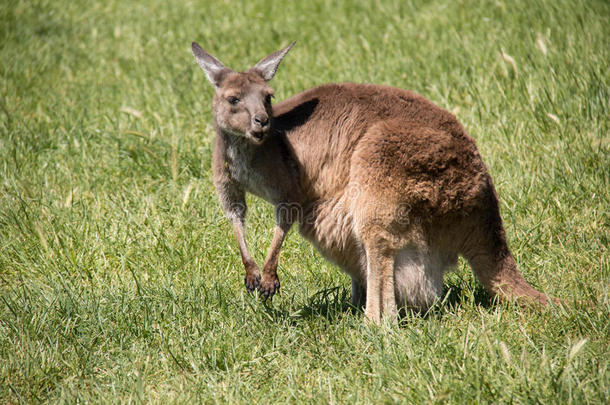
x: 329, y: 226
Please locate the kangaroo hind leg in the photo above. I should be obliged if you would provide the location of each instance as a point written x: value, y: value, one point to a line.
x: 380, y: 295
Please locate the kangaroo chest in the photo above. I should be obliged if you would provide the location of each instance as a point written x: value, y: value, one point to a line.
x: 253, y: 174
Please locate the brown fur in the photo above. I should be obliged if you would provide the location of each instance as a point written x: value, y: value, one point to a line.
x: 383, y: 182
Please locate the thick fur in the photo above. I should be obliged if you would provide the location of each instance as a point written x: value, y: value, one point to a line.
x: 383, y: 182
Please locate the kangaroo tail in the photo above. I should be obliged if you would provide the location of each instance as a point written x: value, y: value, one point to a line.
x: 499, y: 275
x: 491, y: 260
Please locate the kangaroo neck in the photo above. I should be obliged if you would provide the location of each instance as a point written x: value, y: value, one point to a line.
x: 237, y: 154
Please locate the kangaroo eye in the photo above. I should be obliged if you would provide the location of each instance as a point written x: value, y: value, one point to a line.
x: 268, y: 98
x: 233, y: 100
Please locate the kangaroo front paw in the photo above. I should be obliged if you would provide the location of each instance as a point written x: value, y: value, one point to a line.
x: 253, y: 278
x: 269, y: 285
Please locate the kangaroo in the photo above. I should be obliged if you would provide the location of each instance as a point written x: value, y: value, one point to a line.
x: 383, y: 182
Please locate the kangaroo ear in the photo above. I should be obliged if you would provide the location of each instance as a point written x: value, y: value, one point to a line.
x: 213, y: 68
x: 268, y: 66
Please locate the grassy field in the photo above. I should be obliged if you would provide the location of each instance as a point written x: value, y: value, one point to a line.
x: 120, y: 280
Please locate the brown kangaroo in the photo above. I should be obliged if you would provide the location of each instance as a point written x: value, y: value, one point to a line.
x: 383, y: 182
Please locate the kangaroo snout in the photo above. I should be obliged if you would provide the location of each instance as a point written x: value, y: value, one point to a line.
x: 260, y: 120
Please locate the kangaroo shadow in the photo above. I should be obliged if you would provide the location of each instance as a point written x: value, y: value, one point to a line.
x: 295, y: 117
x: 329, y: 303
x: 457, y: 296
x: 335, y: 302
x: 453, y: 297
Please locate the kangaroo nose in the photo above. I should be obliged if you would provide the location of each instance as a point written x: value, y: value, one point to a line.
x: 261, y: 120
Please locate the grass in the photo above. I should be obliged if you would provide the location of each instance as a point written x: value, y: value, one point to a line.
x: 120, y: 280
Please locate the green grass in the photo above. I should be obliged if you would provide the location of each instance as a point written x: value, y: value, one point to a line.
x: 120, y: 280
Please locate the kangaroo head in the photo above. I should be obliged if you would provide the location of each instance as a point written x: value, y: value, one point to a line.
x: 242, y: 101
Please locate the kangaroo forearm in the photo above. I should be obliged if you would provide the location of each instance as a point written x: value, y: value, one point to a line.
x: 233, y: 200
x: 270, y: 283
x: 274, y: 250
x: 239, y: 231
x: 253, y: 275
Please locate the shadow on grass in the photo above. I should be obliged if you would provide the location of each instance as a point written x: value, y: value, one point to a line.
x: 453, y: 297
x: 328, y: 303
x: 333, y: 303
